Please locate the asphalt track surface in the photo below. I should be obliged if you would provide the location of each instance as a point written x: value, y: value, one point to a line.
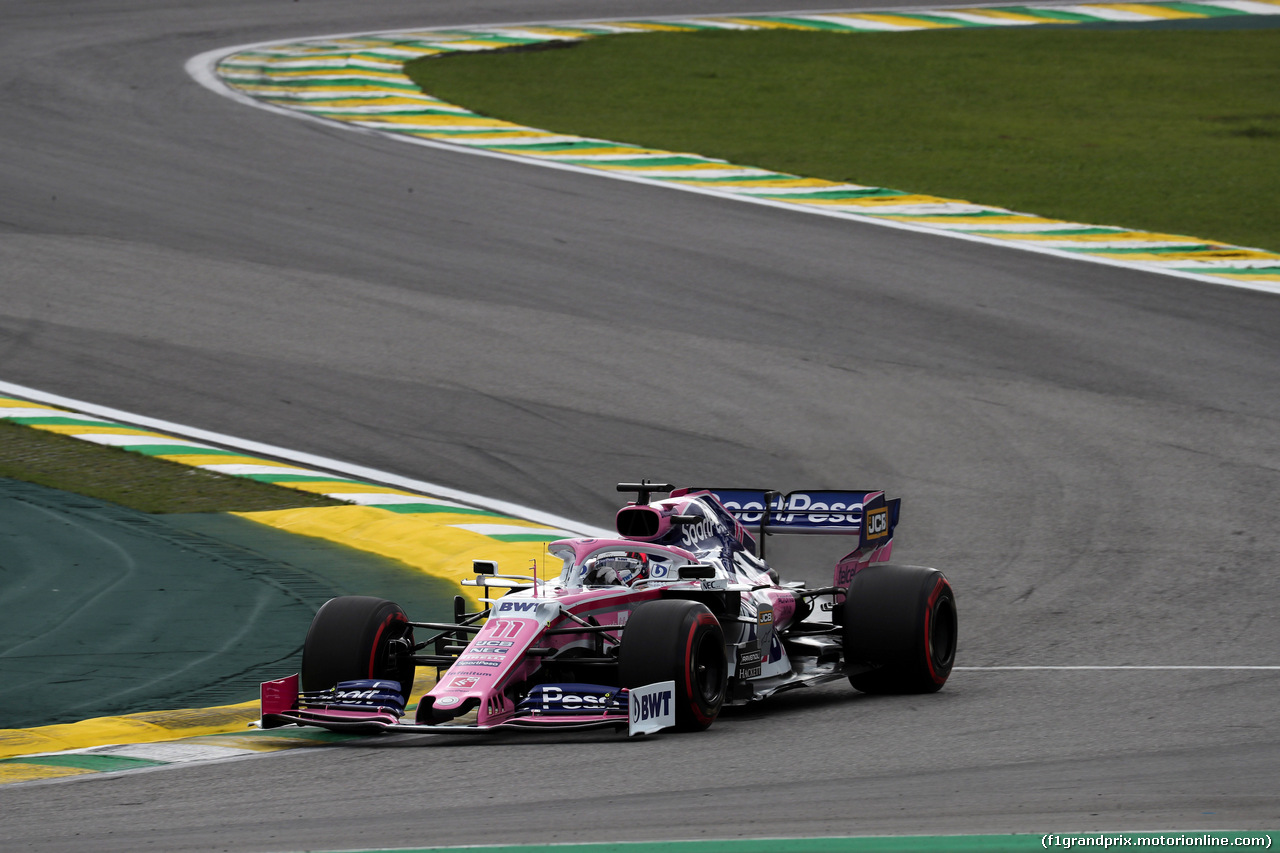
x: 1091, y: 454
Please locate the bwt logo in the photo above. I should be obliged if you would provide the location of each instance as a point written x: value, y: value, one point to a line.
x: 517, y: 606
x: 651, y: 705
x: 877, y: 523
x: 357, y: 694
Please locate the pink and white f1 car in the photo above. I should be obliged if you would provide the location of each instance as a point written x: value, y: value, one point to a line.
x: 660, y: 627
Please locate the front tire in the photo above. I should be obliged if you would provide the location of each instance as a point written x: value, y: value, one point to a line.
x: 901, y: 620
x: 680, y: 641
x: 351, y: 638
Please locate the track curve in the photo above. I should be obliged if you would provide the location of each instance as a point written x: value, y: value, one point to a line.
x: 1088, y: 453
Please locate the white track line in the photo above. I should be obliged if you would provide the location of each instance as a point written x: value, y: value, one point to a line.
x: 358, y: 472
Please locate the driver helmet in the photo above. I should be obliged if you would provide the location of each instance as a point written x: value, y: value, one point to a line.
x: 613, y: 570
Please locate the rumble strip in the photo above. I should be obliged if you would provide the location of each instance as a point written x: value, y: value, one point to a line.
x: 357, y: 81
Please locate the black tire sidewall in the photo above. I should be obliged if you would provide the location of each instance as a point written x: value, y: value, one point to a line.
x: 901, y: 619
x: 348, y: 640
x: 668, y: 640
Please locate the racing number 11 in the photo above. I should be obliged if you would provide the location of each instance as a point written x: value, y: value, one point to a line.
x: 503, y: 629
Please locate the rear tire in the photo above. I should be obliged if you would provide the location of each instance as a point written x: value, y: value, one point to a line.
x: 680, y: 641
x: 902, y: 620
x: 350, y: 638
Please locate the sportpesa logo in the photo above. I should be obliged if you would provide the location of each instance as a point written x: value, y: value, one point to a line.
x: 708, y: 527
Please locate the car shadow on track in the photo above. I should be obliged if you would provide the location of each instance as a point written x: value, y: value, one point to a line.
x: 791, y: 704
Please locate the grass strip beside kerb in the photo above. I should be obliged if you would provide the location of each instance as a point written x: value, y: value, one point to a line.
x: 135, y: 480
x: 1174, y: 131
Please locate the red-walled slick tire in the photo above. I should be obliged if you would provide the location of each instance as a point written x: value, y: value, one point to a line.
x: 350, y: 638
x: 902, y: 621
x: 680, y: 641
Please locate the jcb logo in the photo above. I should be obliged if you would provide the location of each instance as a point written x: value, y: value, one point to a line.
x: 877, y: 523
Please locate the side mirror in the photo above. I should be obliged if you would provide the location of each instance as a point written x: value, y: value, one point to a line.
x: 484, y: 567
x: 697, y: 571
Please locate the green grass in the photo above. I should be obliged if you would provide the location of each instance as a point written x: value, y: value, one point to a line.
x: 1170, y: 131
x: 132, y: 479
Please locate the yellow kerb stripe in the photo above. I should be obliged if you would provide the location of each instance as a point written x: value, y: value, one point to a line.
x: 977, y: 221
x: 1152, y: 10
x: 763, y: 25
x: 765, y: 183
x: 1136, y: 236
x: 1013, y: 16
x: 879, y: 201
x: 906, y: 22
x: 647, y: 27
x: 428, y: 542
x: 1223, y: 254
x: 78, y: 429
x: 334, y: 487
x: 10, y: 403
x: 196, y: 460
x: 144, y: 727
x: 1244, y: 275
x: 15, y: 772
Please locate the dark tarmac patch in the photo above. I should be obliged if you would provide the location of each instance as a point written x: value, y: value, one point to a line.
x: 107, y: 610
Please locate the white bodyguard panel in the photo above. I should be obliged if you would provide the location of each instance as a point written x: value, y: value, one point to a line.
x: 652, y: 707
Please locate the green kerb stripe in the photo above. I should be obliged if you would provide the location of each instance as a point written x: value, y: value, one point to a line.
x: 555, y: 147
x: 683, y: 25
x: 832, y: 194
x: 745, y: 182
x: 694, y: 177
x: 1207, y: 11
x: 176, y: 450
x: 652, y: 161
x: 332, y: 82
x: 86, y: 761
x: 1053, y: 14
x: 495, y: 38
x: 936, y: 19
x: 1047, y: 233
x: 1243, y: 271
x: 1187, y: 249
x: 973, y: 214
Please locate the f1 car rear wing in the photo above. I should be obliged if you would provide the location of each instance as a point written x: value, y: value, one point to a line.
x: 868, y: 515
